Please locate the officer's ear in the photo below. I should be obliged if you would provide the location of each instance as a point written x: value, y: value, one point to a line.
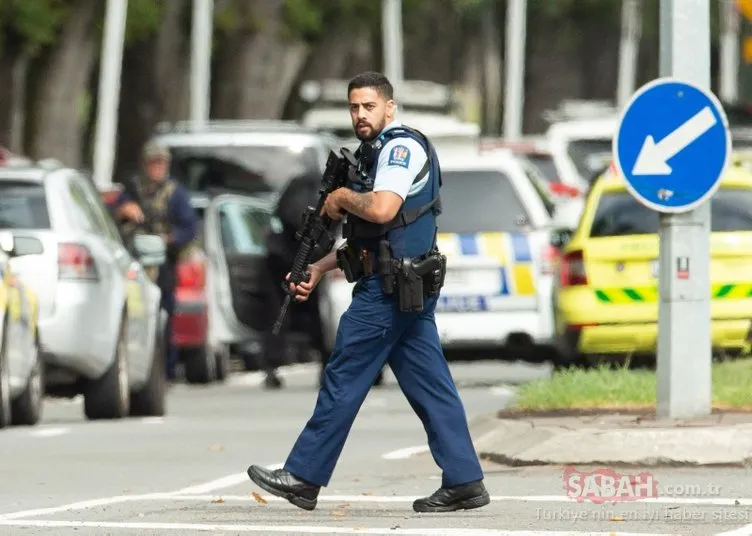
x: 391, y: 106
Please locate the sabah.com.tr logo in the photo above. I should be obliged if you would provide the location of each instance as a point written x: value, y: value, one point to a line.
x: 606, y: 485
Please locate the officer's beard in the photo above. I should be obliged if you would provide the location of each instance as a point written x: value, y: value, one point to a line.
x: 373, y: 131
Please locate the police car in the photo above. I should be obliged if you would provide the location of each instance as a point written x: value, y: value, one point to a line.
x: 494, y: 230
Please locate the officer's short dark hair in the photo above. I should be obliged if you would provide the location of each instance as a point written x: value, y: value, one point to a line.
x: 374, y: 80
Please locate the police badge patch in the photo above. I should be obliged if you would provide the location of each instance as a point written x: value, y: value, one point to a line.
x: 399, y: 156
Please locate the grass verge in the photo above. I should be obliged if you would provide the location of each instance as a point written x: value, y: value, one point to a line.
x: 607, y: 387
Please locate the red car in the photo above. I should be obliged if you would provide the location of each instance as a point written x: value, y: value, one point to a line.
x: 190, y: 325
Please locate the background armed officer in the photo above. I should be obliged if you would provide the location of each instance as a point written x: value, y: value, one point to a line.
x: 391, y: 208
x: 154, y: 203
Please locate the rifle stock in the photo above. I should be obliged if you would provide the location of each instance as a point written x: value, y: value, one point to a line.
x: 317, y: 229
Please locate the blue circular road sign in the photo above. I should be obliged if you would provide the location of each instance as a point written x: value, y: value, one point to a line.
x: 672, y: 145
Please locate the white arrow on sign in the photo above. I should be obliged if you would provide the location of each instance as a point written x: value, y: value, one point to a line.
x: 653, y: 157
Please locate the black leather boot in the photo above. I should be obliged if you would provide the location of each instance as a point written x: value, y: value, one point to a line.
x: 462, y: 497
x: 286, y: 485
x: 272, y: 380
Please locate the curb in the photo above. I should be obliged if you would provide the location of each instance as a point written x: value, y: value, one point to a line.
x: 522, y: 443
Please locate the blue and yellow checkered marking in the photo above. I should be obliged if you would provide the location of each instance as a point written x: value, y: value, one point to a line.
x: 512, y: 250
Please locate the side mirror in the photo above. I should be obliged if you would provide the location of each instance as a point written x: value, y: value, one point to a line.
x: 27, y: 245
x: 151, y: 250
x: 8, y: 243
x: 560, y: 237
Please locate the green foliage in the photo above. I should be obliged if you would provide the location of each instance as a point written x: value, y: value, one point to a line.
x: 35, y: 22
x: 143, y: 19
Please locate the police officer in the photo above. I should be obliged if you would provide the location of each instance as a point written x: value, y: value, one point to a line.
x: 281, y: 246
x: 166, y: 211
x: 399, y: 206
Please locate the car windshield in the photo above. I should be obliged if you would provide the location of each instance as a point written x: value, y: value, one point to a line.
x: 544, y: 163
x: 590, y: 155
x: 621, y: 214
x: 480, y: 201
x: 244, y: 228
x: 248, y: 168
x: 23, y: 206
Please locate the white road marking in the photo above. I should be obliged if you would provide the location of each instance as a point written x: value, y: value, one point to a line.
x: 222, y: 483
x: 693, y: 501
x: 746, y: 530
x: 246, y: 379
x: 49, y: 432
x: 403, y: 454
x: 375, y: 402
x: 82, y: 505
x: 152, y: 420
x: 382, y: 499
x: 303, y: 529
x: 502, y: 390
x: 256, y: 378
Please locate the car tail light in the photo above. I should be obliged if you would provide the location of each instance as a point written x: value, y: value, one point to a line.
x: 559, y: 188
x: 573, y: 269
x: 110, y: 196
x: 74, y: 261
x: 548, y: 259
x: 191, y: 274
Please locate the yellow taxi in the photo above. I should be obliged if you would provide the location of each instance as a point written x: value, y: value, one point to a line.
x: 606, y: 283
x: 21, y: 368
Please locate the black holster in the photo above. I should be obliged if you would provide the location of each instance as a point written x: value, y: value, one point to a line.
x: 416, y: 279
x: 349, y: 262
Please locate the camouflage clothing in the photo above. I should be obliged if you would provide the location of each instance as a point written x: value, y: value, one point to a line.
x: 155, y: 199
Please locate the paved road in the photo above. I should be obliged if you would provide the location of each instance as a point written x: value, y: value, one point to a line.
x: 185, y: 474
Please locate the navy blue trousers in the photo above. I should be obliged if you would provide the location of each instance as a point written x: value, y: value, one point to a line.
x: 166, y: 281
x: 373, y: 332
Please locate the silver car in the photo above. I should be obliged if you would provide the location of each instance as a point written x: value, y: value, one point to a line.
x: 234, y: 237
x: 100, y: 322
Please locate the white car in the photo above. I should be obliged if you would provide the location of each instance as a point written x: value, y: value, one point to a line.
x: 581, y: 148
x: 100, y: 322
x: 494, y: 230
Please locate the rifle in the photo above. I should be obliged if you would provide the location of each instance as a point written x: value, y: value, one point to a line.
x: 317, y: 229
x: 133, y: 193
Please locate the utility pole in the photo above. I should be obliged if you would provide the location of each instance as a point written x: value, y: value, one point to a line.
x: 514, y: 97
x: 729, y: 64
x: 631, y: 30
x: 109, y: 91
x: 391, y: 35
x: 201, y: 48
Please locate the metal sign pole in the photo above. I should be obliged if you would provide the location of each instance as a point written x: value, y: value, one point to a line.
x: 684, y: 323
x: 672, y: 148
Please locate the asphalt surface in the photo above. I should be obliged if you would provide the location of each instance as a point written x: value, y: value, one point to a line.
x: 185, y: 474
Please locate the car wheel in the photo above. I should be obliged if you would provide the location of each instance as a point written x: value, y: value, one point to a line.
x: 108, y: 397
x: 150, y: 400
x: 27, y: 408
x: 223, y: 362
x: 5, y: 406
x: 200, y: 364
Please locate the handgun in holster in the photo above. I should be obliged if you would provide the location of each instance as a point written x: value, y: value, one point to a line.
x: 349, y: 262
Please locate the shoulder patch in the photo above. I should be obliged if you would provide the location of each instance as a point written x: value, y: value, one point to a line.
x: 399, y: 156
